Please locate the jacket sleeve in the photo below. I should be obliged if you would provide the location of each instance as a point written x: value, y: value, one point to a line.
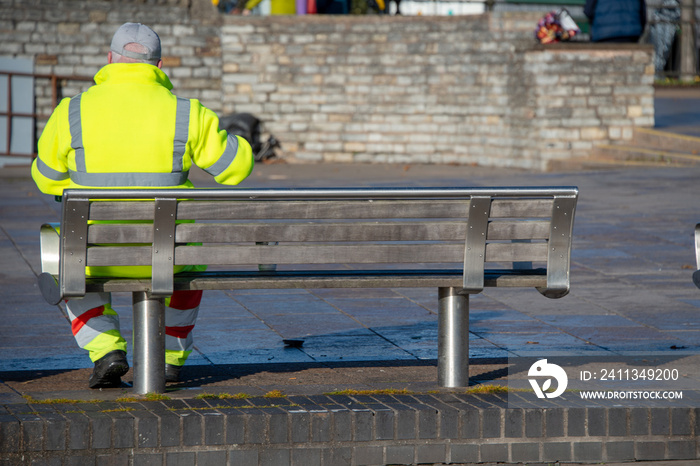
x: 227, y: 157
x: 50, y: 169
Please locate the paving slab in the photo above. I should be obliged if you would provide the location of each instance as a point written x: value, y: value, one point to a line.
x: 676, y: 110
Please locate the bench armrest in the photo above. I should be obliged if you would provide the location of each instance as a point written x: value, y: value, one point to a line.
x: 697, y: 246
x: 696, y: 274
x: 49, y: 241
x: 559, y: 254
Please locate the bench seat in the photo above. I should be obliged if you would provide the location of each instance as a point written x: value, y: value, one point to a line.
x: 242, y: 280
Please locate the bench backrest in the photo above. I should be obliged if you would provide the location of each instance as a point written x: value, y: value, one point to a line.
x: 469, y: 229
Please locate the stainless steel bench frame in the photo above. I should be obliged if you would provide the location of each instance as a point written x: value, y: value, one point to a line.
x: 64, y: 260
x: 696, y: 274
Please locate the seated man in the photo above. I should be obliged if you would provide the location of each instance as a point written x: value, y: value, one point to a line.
x: 130, y: 131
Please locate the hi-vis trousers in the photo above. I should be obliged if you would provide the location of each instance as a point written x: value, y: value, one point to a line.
x: 95, y: 324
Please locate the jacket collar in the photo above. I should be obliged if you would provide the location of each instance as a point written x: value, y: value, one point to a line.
x: 132, y: 72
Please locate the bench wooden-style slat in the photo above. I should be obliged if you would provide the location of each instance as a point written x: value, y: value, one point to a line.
x: 241, y: 209
x: 252, y: 280
x: 313, y: 232
x: 317, y: 254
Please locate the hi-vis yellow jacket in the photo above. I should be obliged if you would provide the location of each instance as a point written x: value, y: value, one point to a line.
x: 130, y: 131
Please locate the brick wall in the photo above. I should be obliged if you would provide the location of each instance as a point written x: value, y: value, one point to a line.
x: 467, y: 90
x: 344, y: 430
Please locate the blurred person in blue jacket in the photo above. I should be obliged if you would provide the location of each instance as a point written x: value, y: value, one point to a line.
x: 616, y: 20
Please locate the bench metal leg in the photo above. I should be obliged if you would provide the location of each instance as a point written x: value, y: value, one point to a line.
x: 453, y: 338
x: 149, y: 343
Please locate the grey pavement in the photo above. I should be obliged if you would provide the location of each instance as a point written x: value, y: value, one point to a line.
x: 632, y: 300
x: 632, y: 303
x: 676, y: 110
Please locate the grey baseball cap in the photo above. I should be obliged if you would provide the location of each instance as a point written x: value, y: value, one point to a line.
x: 138, y: 33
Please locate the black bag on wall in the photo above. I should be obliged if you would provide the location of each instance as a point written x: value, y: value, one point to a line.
x: 248, y: 127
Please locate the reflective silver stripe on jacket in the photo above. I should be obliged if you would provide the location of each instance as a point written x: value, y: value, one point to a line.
x: 114, y: 180
x: 182, y: 132
x: 176, y: 177
x: 49, y: 172
x: 226, y: 158
x: 76, y: 132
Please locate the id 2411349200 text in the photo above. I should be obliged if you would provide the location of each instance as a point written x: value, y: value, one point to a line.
x: 648, y: 374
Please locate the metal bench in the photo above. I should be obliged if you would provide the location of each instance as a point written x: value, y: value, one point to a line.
x: 459, y: 240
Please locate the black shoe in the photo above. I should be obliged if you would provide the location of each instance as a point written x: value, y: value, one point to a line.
x: 172, y: 373
x: 109, y: 370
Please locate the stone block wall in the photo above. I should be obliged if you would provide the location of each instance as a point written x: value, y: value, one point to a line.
x: 583, y: 94
x: 465, y: 90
